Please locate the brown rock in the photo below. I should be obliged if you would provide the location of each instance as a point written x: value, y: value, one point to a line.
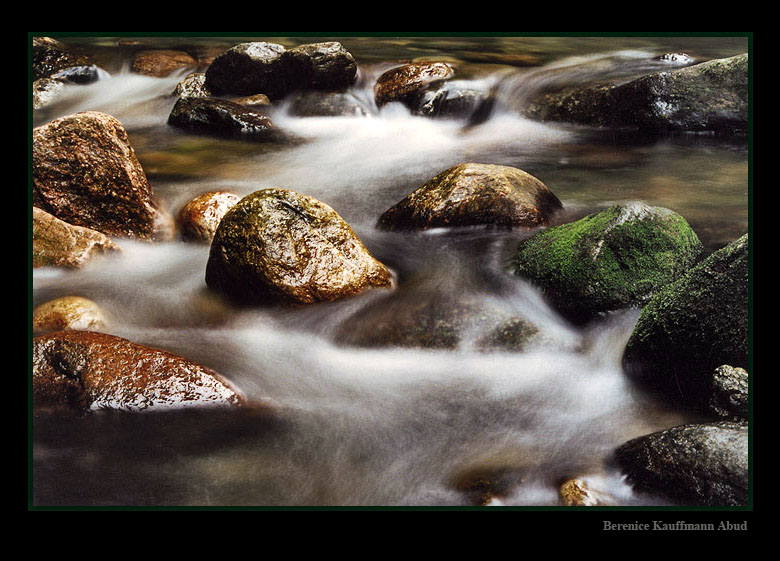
x: 252, y: 100
x: 575, y: 492
x: 199, y: 218
x: 405, y: 83
x: 68, y: 313
x: 59, y: 244
x: 86, y: 173
x: 483, y: 484
x: 160, y: 63
x: 86, y: 371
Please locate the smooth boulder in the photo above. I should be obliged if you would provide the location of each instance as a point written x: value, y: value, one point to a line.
x: 701, y: 465
x: 692, y: 327
x: 406, y: 83
x: 614, y: 259
x: 199, y: 218
x: 219, y: 117
x: 474, y: 194
x: 88, y: 371
x: 86, y: 173
x: 59, y: 244
x: 68, y: 313
x: 279, y: 245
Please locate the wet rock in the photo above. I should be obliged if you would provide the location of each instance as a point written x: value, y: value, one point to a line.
x: 609, y: 260
x: 84, y: 371
x: 45, y: 91
x: 729, y: 398
x: 474, y: 194
x: 77, y: 74
x: 693, y: 326
x: 49, y: 56
x: 711, y: 96
x: 160, y: 63
x: 575, y: 492
x: 86, y: 173
x: 676, y: 59
x: 194, y: 85
x: 68, y: 313
x: 59, y: 244
x: 703, y: 464
x: 199, y: 218
x: 257, y: 100
x: 448, y: 102
x: 324, y: 66
x: 219, y: 117
x: 326, y: 104
x: 406, y: 83
x: 482, y: 485
x: 278, y: 245
x: 514, y: 335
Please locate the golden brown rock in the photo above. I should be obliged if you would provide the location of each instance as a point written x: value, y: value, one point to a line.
x: 68, y: 313
x: 59, y: 244
x: 199, y: 218
x: 575, y: 492
x: 160, y: 63
x: 405, y: 83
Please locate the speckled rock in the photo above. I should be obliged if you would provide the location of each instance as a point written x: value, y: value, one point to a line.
x: 59, y: 244
x: 199, y: 218
x: 219, y: 117
x: 45, y: 91
x: 406, y: 83
x: 83, y: 371
x: 326, y: 104
x: 692, y: 327
x: 86, y: 173
x: 474, y: 194
x: 50, y: 55
x: 67, y: 314
x: 614, y: 259
x: 194, y: 85
x: 703, y: 464
x: 160, y: 63
x: 729, y: 398
x: 278, y: 245
x: 575, y: 492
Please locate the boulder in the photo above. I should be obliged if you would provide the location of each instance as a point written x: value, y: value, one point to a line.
x: 88, y: 371
x: 452, y: 103
x: 711, y: 96
x: 160, y: 63
x: 278, y: 245
x: 515, y: 334
x: 199, y: 218
x: 692, y: 327
x: 59, y: 244
x: 729, y: 398
x: 86, y: 173
x: 67, y: 314
x: 219, y: 117
x: 614, y: 259
x: 474, y: 194
x: 194, y: 85
x: 406, y: 83
x: 324, y: 66
x: 49, y: 56
x: 45, y: 91
x: 576, y: 492
x: 77, y: 74
x: 702, y: 465
x: 326, y: 104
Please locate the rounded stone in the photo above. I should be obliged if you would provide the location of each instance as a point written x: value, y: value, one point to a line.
x: 199, y: 218
x: 68, y: 313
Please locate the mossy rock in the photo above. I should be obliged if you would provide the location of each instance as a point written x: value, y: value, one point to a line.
x: 609, y: 260
x: 693, y: 326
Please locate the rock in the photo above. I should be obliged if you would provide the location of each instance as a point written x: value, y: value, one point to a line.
x: 219, y: 117
x: 513, y: 335
x: 711, y: 96
x: 59, y: 244
x: 68, y: 313
x: 160, y: 63
x: 45, y: 91
x: 324, y: 66
x: 704, y: 464
x: 256, y: 100
x: 474, y: 194
x: 278, y: 245
x: 194, y: 85
x: 729, y: 398
x: 609, y: 260
x: 88, y: 371
x: 326, y: 104
x: 406, y: 83
x: 676, y: 59
x: 693, y: 326
x: 484, y: 484
x: 447, y: 102
x: 575, y: 492
x: 77, y: 74
x: 86, y: 173
x: 49, y: 56
x: 199, y: 218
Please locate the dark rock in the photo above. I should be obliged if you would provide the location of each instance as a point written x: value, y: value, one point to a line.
x: 194, y: 85
x: 68, y: 313
x: 160, y: 63
x: 219, y: 117
x: 406, y: 83
x: 729, y: 398
x: 447, y: 102
x: 326, y: 104
x: 84, y: 371
x: 77, y: 74
x: 199, y: 218
x: 86, y: 173
x: 59, y: 244
x: 693, y: 326
x: 609, y: 260
x: 278, y: 245
x: 49, y: 56
x: 324, y: 66
x: 248, y: 69
x: 703, y: 465
x: 474, y: 194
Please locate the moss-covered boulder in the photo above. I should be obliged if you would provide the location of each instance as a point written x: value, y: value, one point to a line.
x: 474, y: 194
x: 223, y: 118
x: 68, y: 313
x: 59, y: 244
x: 711, y: 96
x: 729, y: 399
x: 278, y: 245
x: 199, y: 218
x: 406, y: 83
x: 609, y: 260
x: 693, y: 326
x: 703, y: 464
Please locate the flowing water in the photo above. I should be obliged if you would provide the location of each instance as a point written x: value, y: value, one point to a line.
x: 356, y: 423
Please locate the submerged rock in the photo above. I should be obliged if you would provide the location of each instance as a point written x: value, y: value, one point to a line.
x: 160, y: 63
x: 86, y: 173
x: 693, y: 326
x: 474, y: 194
x: 59, y: 244
x: 406, y: 83
x: 84, y: 370
x: 609, y: 260
x: 703, y: 464
x: 729, y: 398
x: 278, y: 245
x: 513, y: 335
x: 199, y: 218
x: 194, y: 85
x: 219, y: 117
x: 49, y: 56
x: 67, y: 314
x: 326, y: 104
